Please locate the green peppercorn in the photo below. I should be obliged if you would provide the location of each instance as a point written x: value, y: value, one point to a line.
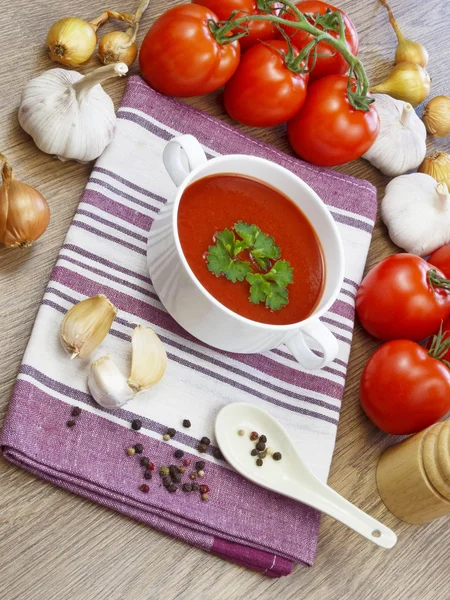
x: 262, y: 454
x: 163, y: 471
x: 241, y: 432
x: 166, y: 437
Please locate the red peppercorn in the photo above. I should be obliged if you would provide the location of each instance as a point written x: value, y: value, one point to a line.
x: 254, y: 436
x: 144, y: 488
x: 204, y: 489
x: 187, y: 462
x: 151, y: 466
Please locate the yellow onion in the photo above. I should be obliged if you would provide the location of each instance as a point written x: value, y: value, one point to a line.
x: 438, y: 166
x: 436, y: 116
x: 71, y: 41
x: 407, y: 81
x: 117, y: 46
x: 24, y: 212
x: 407, y: 50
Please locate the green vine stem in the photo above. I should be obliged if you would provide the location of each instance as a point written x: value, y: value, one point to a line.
x: 236, y: 27
x: 439, y: 346
x: 438, y: 281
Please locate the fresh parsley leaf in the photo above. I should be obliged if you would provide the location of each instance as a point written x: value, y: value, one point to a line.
x: 259, y: 288
x: 238, y: 270
x: 247, y: 232
x: 277, y: 298
x: 280, y: 273
x: 264, y: 249
x: 228, y: 240
x: 221, y: 257
x: 218, y: 258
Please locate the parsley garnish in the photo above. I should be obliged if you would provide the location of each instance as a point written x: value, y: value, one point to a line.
x: 268, y: 287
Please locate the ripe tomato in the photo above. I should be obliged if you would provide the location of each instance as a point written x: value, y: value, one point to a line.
x: 180, y: 57
x: 441, y: 259
x: 329, y: 60
x: 264, y: 91
x: 397, y: 301
x: 257, y: 30
x: 328, y: 131
x: 403, y: 389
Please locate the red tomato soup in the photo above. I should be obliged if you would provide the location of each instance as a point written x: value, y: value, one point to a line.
x: 218, y: 202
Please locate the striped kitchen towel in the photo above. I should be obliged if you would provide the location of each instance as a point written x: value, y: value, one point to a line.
x: 105, y: 253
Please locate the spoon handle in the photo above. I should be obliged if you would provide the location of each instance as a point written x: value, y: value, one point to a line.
x: 325, y: 499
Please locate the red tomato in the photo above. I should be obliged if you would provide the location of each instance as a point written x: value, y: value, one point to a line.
x: 180, y: 57
x: 328, y: 131
x: 257, y: 30
x: 264, y: 91
x: 441, y: 259
x: 397, y: 301
x: 403, y: 389
x: 329, y: 60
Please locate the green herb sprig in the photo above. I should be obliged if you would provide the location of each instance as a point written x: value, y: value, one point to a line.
x: 269, y: 287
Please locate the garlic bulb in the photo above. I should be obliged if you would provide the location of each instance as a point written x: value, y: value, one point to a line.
x: 438, y: 166
x: 407, y: 81
x: 86, y: 325
x: 400, y: 145
x: 149, y: 359
x: 69, y: 115
x: 108, y: 386
x: 416, y: 211
x: 436, y: 116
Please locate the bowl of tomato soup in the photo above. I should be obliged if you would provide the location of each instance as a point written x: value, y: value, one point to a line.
x: 246, y: 256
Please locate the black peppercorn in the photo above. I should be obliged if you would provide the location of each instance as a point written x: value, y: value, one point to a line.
x: 263, y: 439
x: 195, y: 487
x: 259, y: 462
x: 277, y: 456
x: 202, y: 448
x: 186, y: 423
x: 76, y: 411
x: 171, y: 432
x: 254, y: 452
x: 178, y: 454
x: 167, y: 481
x: 217, y: 454
x: 136, y: 424
x: 260, y: 446
x: 139, y: 448
x: 205, y: 440
x: 200, y: 465
x: 172, y: 488
x: 176, y: 477
x: 148, y: 474
x: 187, y: 487
x: 70, y: 424
x: 173, y: 469
x: 145, y: 461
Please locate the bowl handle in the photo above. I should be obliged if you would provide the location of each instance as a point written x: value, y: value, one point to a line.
x: 305, y: 356
x: 181, y: 156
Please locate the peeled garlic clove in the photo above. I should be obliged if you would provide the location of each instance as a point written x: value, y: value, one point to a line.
x: 86, y: 325
x: 149, y: 359
x: 437, y: 165
x: 108, y: 386
x: 436, y: 116
x: 407, y: 82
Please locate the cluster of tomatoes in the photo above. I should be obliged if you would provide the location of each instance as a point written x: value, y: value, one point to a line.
x: 182, y: 56
x: 405, y: 387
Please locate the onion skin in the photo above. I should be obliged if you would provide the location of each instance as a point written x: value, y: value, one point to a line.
x: 71, y: 41
x: 407, y: 81
x: 436, y: 116
x: 437, y: 165
x: 112, y: 48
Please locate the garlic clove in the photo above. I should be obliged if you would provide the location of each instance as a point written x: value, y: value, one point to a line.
x: 437, y: 165
x: 108, y: 386
x: 86, y: 325
x: 149, y: 359
x: 436, y: 116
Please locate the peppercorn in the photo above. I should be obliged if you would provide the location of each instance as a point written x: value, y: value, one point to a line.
x: 260, y: 446
x: 205, y: 440
x: 187, y: 462
x: 254, y: 436
x: 277, y: 456
x: 131, y: 451
x: 254, y: 452
x: 176, y: 477
x: 202, y: 448
x: 217, y: 454
x: 171, y: 432
x: 173, y: 469
x: 269, y: 451
x: 136, y: 424
x: 163, y: 471
x: 144, y: 488
x: 195, y: 486
x: 172, y: 488
x: 241, y: 432
x: 263, y: 439
x: 151, y: 466
x: 259, y: 462
x: 167, y: 481
x: 201, y: 473
x: 178, y: 453
x: 200, y: 465
x: 186, y: 423
x: 145, y: 461
x: 205, y: 497
x: 262, y: 454
x: 187, y: 487
x: 182, y: 469
x: 193, y: 475
x: 204, y: 489
x: 148, y: 474
x: 76, y: 411
x: 166, y: 437
x: 71, y: 424
x: 139, y: 448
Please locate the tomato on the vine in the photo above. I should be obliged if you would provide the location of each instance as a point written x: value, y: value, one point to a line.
x: 264, y: 91
x: 403, y: 297
x: 180, y: 56
x: 328, y: 130
x: 404, y: 389
x: 257, y: 30
x: 329, y: 60
x: 441, y: 259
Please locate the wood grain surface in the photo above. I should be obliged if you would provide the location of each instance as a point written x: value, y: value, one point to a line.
x: 56, y: 546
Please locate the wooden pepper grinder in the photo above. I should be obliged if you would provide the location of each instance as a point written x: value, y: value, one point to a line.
x: 413, y: 477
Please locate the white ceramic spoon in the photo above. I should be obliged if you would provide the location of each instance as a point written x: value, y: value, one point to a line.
x: 288, y: 476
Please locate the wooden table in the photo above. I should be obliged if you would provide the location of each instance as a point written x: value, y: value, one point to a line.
x: 57, y: 546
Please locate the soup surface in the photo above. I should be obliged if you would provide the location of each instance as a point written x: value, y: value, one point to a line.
x: 217, y: 202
